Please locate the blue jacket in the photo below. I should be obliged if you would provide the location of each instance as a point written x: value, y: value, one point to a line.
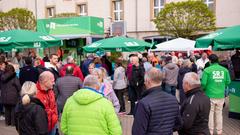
x: 157, y: 114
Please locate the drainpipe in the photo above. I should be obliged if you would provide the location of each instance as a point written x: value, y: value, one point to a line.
x: 36, y: 9
x: 136, y: 17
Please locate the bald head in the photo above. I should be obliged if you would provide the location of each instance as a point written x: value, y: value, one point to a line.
x: 69, y: 70
x: 46, y: 80
x: 153, y: 77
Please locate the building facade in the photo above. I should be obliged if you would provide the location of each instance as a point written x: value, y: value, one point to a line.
x: 137, y: 15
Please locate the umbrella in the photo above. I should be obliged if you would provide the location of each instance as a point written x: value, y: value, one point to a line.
x: 179, y: 44
x: 224, y: 39
x: 117, y: 44
x: 27, y: 39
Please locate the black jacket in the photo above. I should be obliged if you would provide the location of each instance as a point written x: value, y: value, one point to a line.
x: 28, y: 73
x: 236, y: 62
x: 157, y: 114
x: 194, y: 68
x: 137, y: 79
x: 195, y: 113
x: 181, y: 73
x: 41, y: 69
x: 31, y: 119
x: 55, y: 73
x: 10, y: 88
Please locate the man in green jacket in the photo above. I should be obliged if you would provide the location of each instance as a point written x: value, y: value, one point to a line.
x: 214, y: 81
x: 87, y: 112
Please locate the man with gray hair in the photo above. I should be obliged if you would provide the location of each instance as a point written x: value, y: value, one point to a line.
x: 157, y: 112
x: 195, y: 108
x: 88, y: 112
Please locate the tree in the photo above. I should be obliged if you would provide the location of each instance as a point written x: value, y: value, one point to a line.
x: 2, y: 16
x: 19, y: 18
x: 67, y: 15
x: 184, y: 19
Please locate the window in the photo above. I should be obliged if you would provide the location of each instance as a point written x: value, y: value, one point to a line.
x: 50, y: 12
x: 210, y: 4
x: 118, y: 10
x: 82, y: 9
x: 157, y: 6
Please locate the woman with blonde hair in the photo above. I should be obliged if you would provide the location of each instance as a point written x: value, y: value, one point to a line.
x: 91, y: 66
x: 106, y: 87
x: 31, y: 118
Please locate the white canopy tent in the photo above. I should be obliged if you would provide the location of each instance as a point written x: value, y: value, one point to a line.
x: 178, y: 44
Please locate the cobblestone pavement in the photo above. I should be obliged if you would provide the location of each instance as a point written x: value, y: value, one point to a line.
x: 230, y: 126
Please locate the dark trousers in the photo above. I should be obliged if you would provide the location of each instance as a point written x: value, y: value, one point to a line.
x: 134, y: 95
x: 182, y: 95
x: 170, y: 89
x: 119, y: 94
x: 1, y: 109
x: 9, y: 114
x: 237, y: 74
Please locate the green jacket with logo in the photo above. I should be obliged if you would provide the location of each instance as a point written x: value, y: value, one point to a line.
x: 88, y: 113
x: 214, y: 81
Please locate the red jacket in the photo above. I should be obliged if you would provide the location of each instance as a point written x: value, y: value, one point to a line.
x: 76, y: 72
x: 48, y: 100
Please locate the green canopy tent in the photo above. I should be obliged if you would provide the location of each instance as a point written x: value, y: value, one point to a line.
x: 26, y: 39
x: 223, y: 39
x: 117, y: 44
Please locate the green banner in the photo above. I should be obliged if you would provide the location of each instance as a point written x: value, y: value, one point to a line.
x: 71, y: 25
x: 234, y: 97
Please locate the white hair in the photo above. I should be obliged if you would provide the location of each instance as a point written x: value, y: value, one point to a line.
x: 192, y: 79
x: 134, y: 58
x: 91, y: 81
x: 154, y: 75
x: 70, y: 59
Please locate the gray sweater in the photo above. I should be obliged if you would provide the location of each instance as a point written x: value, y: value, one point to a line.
x: 65, y: 87
x: 119, y: 79
x: 170, y: 74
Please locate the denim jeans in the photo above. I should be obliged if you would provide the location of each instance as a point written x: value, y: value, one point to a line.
x: 170, y: 89
x: 53, y: 131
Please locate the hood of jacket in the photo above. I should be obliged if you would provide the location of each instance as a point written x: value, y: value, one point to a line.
x: 171, y: 66
x: 7, y: 76
x: 86, y: 96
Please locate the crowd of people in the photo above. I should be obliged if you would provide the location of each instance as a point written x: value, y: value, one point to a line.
x: 38, y: 93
